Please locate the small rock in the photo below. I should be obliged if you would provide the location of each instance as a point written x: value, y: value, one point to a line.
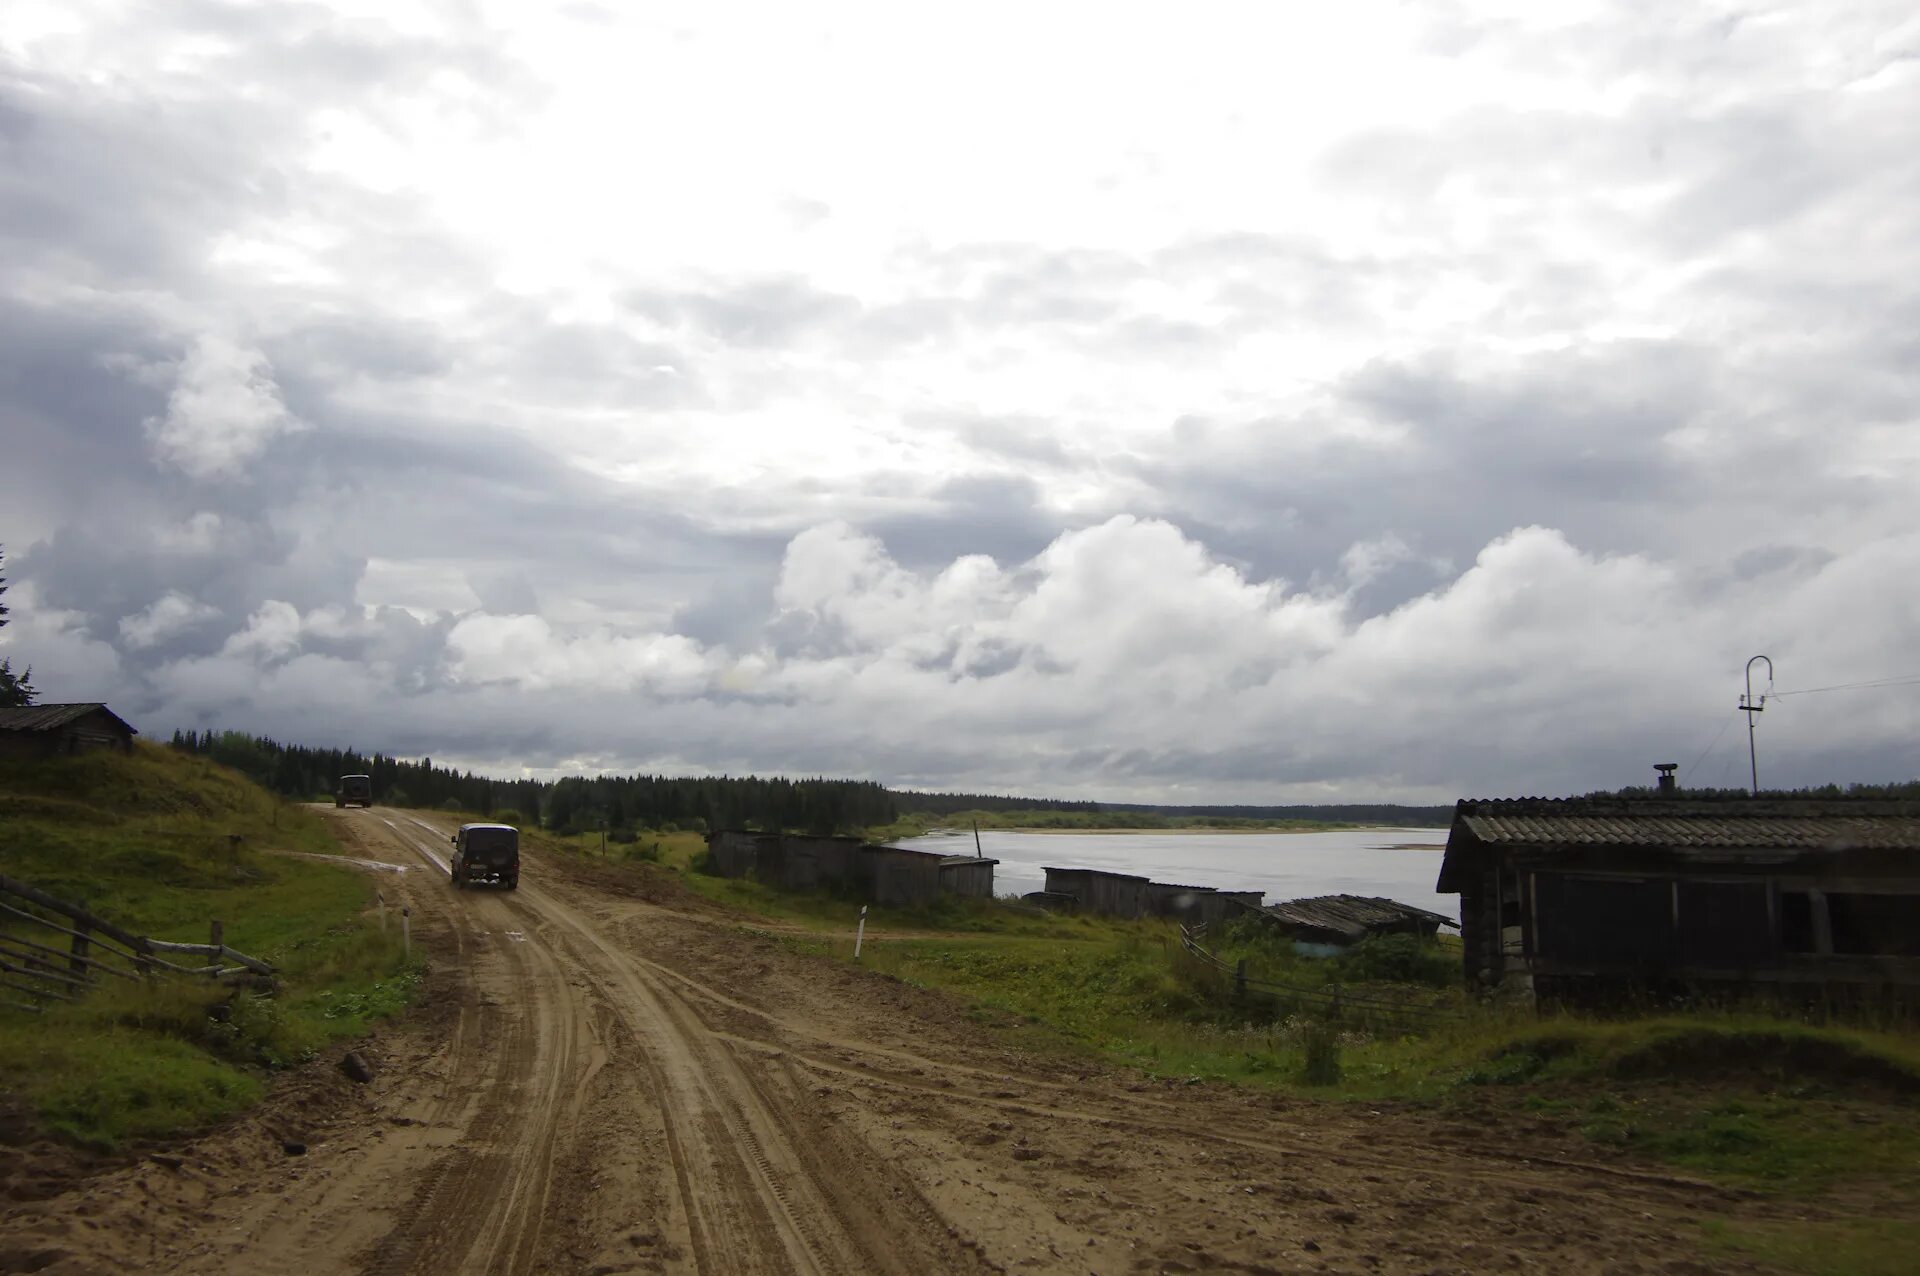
x: 293, y: 1147
x: 1312, y: 1247
x: 356, y: 1068
x: 1025, y: 1154
x: 162, y: 1158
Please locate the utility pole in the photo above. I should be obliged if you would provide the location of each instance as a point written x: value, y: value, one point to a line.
x: 1750, y: 706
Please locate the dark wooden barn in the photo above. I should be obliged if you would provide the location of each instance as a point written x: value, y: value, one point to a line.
x: 1593, y: 898
x: 1197, y: 905
x: 884, y: 874
x: 64, y: 728
x: 969, y: 875
x: 1097, y: 891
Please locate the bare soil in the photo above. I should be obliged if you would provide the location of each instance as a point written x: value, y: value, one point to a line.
x: 613, y: 1077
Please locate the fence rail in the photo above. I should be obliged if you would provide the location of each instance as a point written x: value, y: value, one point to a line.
x: 95, y: 947
x: 1332, y: 999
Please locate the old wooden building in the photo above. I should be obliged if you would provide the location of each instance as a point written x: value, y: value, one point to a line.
x: 63, y: 728
x: 885, y: 874
x: 1097, y: 891
x: 1197, y: 905
x: 969, y: 875
x: 1592, y: 898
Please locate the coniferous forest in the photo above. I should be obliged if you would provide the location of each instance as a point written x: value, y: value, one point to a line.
x: 699, y: 803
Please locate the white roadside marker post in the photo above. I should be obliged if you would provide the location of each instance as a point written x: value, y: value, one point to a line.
x: 860, y: 933
x: 382, y: 897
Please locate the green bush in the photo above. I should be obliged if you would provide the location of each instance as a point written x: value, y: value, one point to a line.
x: 1320, y: 1063
x: 1401, y: 959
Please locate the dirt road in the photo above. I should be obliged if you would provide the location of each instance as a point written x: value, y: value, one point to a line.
x: 611, y: 1077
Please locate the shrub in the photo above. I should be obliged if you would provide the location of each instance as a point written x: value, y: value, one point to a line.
x: 1320, y: 1064
x: 1403, y: 959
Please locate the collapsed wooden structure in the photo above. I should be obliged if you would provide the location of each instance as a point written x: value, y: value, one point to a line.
x: 893, y: 875
x: 1342, y: 920
x: 1591, y: 899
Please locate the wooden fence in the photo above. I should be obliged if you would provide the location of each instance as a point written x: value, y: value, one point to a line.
x: 1331, y: 1001
x: 51, y: 950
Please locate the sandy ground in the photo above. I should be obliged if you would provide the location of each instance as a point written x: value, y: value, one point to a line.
x: 606, y: 1082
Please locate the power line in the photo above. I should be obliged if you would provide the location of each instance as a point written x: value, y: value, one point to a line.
x: 1724, y: 724
x: 1904, y: 680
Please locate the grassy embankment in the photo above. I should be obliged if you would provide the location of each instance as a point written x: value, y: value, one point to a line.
x: 1821, y: 1115
x: 144, y: 841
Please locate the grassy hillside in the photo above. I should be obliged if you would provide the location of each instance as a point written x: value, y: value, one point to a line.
x: 147, y: 840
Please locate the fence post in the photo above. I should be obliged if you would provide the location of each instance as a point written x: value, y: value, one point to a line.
x: 1240, y: 979
x: 217, y: 940
x: 77, y: 961
x: 406, y: 934
x: 382, y: 897
x: 860, y: 932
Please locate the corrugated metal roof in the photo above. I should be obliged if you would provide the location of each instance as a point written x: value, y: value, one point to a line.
x: 1786, y: 824
x: 47, y: 717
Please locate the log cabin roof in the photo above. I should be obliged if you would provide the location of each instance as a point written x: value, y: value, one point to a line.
x: 51, y: 717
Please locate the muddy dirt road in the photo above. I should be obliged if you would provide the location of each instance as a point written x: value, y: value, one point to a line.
x: 610, y: 1077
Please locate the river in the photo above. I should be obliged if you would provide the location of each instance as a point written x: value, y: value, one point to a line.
x: 1281, y: 865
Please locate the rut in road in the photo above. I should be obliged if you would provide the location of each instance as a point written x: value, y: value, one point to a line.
x: 758, y: 1183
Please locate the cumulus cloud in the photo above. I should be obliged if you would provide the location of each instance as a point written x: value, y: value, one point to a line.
x: 225, y: 409
x: 171, y: 614
x: 1540, y: 372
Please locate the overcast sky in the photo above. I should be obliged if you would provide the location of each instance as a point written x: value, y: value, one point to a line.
x: 1211, y: 402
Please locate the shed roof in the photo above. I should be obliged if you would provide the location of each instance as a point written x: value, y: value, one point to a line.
x: 48, y: 717
x: 1686, y: 827
x: 1771, y: 823
x: 946, y: 860
x: 1352, y: 914
x: 1097, y: 872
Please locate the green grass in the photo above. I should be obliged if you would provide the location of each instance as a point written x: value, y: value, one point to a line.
x: 1838, y: 1247
x: 147, y: 841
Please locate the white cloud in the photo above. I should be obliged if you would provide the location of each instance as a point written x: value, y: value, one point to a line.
x: 224, y: 411
x: 170, y: 615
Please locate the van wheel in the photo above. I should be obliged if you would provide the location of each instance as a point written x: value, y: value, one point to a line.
x: 513, y: 883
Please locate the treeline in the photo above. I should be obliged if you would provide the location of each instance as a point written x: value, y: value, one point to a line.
x: 575, y: 804
x: 954, y: 803
x: 1144, y: 815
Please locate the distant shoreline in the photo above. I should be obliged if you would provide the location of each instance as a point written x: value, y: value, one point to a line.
x: 1210, y: 830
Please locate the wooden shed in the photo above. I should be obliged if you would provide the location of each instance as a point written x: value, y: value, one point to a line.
x: 733, y: 852
x: 800, y: 863
x: 899, y: 876
x: 1098, y: 891
x: 1590, y: 898
x: 968, y: 875
x: 64, y: 728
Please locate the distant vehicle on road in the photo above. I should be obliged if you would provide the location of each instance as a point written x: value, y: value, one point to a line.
x: 354, y: 789
x: 486, y: 853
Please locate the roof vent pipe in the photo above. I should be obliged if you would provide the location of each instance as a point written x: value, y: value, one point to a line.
x: 1665, y: 786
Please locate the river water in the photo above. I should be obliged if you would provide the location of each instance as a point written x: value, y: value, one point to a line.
x: 1280, y: 865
